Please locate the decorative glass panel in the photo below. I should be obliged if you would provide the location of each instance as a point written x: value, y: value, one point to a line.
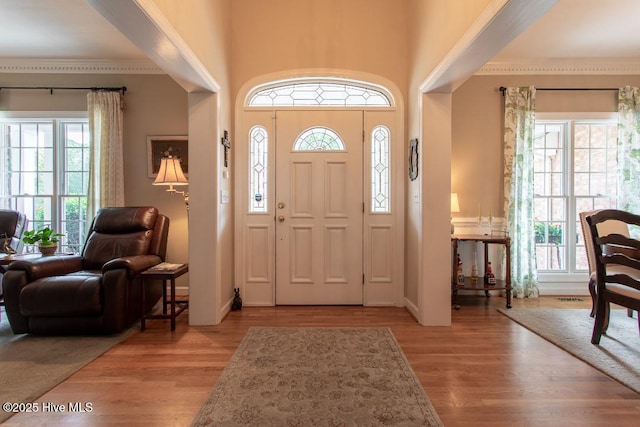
x: 258, y: 163
x: 318, y: 139
x: 380, y: 188
x: 319, y: 94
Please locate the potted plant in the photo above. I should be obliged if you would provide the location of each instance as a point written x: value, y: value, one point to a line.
x: 46, y: 239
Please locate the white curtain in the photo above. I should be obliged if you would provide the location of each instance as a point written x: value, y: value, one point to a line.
x: 629, y: 149
x: 106, y: 171
x: 519, y: 131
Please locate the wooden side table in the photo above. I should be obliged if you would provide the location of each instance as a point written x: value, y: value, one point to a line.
x: 478, y: 284
x: 164, y: 275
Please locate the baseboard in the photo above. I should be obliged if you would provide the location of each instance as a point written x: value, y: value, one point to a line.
x: 413, y: 309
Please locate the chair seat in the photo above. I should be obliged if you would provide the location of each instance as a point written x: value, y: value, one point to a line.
x: 65, y: 296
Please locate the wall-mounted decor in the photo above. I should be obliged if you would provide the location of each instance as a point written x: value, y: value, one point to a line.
x: 165, y: 146
x: 226, y: 143
x: 413, y: 159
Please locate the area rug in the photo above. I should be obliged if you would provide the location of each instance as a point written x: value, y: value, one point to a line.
x: 570, y: 329
x: 318, y: 377
x: 32, y: 365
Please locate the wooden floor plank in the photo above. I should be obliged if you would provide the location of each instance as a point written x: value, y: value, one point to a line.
x: 484, y: 370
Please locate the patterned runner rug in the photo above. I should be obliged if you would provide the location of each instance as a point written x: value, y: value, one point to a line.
x: 318, y: 377
x: 570, y: 329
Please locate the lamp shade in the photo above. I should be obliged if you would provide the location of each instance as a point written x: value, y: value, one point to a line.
x: 170, y: 173
x: 455, y: 206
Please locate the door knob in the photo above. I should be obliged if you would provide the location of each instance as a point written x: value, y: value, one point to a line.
x: 281, y: 218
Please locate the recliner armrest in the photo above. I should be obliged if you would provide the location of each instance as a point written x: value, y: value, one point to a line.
x: 134, y: 264
x: 46, y: 266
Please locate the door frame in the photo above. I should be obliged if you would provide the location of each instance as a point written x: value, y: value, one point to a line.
x: 254, y: 235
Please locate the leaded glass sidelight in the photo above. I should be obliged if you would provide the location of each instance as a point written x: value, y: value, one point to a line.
x: 258, y: 166
x: 319, y: 139
x: 319, y: 94
x: 380, y: 188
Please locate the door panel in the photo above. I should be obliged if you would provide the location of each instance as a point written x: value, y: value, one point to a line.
x: 319, y: 211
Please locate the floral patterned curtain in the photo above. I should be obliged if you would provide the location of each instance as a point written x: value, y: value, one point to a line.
x: 519, y: 130
x: 629, y: 149
x: 106, y: 168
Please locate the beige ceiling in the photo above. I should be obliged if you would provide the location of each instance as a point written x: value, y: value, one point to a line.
x: 597, y: 30
x: 594, y: 29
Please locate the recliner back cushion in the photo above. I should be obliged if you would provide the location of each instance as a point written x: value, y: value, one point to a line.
x: 12, y: 225
x: 118, y: 232
x: 101, y: 248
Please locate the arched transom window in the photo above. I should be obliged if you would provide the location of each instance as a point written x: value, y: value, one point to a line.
x: 318, y: 139
x: 319, y: 94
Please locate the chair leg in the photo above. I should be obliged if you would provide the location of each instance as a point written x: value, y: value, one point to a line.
x: 602, y: 313
x: 592, y: 291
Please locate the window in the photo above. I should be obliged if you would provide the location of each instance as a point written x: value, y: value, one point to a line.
x: 319, y: 93
x: 575, y: 170
x: 45, y: 172
x: 318, y: 139
x: 380, y: 189
x: 258, y: 163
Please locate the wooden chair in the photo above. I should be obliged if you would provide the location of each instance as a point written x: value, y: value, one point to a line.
x: 617, y: 262
x: 604, y: 228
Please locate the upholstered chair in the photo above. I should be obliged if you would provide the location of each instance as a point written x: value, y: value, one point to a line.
x: 617, y: 262
x: 97, y: 292
x: 12, y: 226
x: 604, y: 228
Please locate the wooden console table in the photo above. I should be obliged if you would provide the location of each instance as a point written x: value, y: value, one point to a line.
x: 478, y: 284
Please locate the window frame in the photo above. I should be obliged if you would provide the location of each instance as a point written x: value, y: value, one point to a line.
x: 58, y: 120
x: 570, y: 274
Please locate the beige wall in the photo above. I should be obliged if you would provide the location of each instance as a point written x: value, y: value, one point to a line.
x: 205, y: 26
x: 362, y: 35
x: 435, y: 26
x: 154, y: 105
x: 476, y: 169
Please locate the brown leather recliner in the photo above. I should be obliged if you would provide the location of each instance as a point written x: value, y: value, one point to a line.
x: 98, y: 292
x: 12, y: 226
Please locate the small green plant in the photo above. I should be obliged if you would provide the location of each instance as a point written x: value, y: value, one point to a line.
x: 45, y: 236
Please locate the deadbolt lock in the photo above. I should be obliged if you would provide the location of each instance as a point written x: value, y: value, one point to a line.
x: 281, y: 205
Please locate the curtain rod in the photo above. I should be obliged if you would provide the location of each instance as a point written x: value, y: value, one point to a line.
x: 122, y: 89
x: 503, y: 89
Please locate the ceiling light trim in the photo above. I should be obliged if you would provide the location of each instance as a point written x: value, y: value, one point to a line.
x: 84, y: 66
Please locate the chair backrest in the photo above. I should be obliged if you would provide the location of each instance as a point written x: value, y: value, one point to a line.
x: 617, y: 256
x: 12, y: 226
x: 604, y: 228
x: 125, y: 231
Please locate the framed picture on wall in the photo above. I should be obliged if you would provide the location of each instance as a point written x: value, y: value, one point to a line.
x: 164, y: 146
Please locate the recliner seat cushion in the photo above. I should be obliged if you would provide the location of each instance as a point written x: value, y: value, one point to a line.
x: 67, y: 296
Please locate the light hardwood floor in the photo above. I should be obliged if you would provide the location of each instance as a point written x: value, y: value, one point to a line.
x: 484, y: 370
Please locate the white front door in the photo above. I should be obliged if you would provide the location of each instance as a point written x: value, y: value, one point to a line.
x: 319, y: 207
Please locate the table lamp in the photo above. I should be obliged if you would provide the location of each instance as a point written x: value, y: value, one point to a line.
x: 455, y: 207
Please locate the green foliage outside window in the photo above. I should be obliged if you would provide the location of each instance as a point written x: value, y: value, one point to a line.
x: 548, y: 233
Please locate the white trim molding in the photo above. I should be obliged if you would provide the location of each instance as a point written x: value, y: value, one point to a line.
x: 562, y: 67
x: 77, y: 66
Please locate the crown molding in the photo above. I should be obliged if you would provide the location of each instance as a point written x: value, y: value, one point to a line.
x: 559, y: 67
x: 79, y: 66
